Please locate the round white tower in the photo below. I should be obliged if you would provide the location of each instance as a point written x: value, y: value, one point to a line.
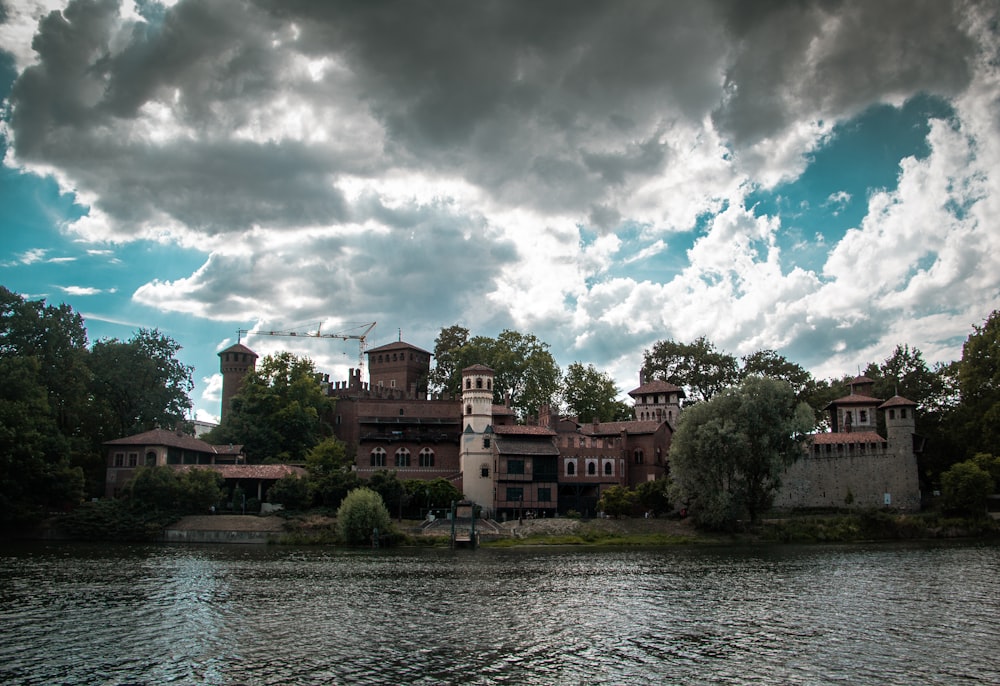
x: 476, y: 455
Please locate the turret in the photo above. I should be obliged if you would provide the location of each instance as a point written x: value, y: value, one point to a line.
x: 235, y: 362
x: 476, y: 454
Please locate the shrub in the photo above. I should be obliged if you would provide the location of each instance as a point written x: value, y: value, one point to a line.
x: 965, y: 489
x: 360, y: 514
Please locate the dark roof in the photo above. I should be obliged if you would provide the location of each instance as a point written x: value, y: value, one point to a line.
x: 897, y: 401
x: 246, y: 471
x: 848, y: 437
x: 526, y: 445
x: 858, y: 380
x: 172, y: 439
x: 854, y: 399
x: 522, y: 430
x: 239, y: 348
x: 656, y: 387
x: 482, y: 368
x: 396, y: 345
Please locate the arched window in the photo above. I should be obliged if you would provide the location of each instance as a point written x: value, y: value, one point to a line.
x: 570, y: 468
x: 426, y: 457
x: 403, y: 457
x: 892, y: 414
x: 378, y: 457
x: 489, y: 385
x: 638, y: 456
x: 468, y: 383
x: 479, y: 382
x: 607, y: 469
x: 151, y: 459
x: 468, y: 409
x: 591, y: 468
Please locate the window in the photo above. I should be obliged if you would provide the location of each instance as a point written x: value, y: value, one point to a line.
x: 378, y: 457
x: 486, y: 441
x: 892, y: 414
x: 515, y: 494
x: 489, y: 385
x: 545, y: 495
x: 119, y: 459
x: 902, y: 413
x: 133, y: 459
x: 570, y: 468
x: 401, y: 410
x: 591, y: 468
x: 607, y: 469
x: 468, y: 383
x: 479, y: 382
x: 484, y: 471
x: 863, y: 416
x: 151, y: 459
x: 515, y: 466
x: 468, y: 409
x: 639, y: 458
x: 426, y: 457
x: 403, y: 457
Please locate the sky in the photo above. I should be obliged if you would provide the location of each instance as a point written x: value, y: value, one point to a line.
x: 820, y: 178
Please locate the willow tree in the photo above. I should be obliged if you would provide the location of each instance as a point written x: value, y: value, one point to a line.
x: 728, y: 454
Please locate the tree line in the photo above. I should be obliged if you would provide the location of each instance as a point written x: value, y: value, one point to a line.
x: 63, y: 397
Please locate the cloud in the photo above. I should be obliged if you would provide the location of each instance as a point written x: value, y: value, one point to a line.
x: 574, y: 170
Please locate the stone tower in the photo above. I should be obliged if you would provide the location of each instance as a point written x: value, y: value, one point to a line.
x: 400, y: 366
x: 476, y: 452
x: 234, y: 363
x: 656, y: 401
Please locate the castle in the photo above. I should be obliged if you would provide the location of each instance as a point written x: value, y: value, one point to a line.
x: 562, y: 464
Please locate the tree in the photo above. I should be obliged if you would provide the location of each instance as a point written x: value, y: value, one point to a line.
x: 390, y: 488
x: 330, y: 475
x: 199, y: 490
x: 431, y: 495
x: 592, y: 395
x: 728, y: 453
x: 139, y: 384
x: 654, y: 495
x: 280, y: 411
x: 524, y: 369
x: 617, y: 501
x: 965, y: 488
x: 979, y: 384
x: 291, y: 491
x: 770, y: 364
x: 698, y: 367
x: 362, y: 514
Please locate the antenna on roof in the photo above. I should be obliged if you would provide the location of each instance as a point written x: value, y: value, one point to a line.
x: 399, y: 337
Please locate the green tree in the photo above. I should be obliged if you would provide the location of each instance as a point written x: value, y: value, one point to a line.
x: 770, y: 364
x: 728, y: 453
x: 592, y: 395
x: 617, y: 501
x: 280, y: 412
x: 979, y: 384
x: 392, y: 490
x: 361, y: 514
x: 35, y: 473
x: 524, y: 369
x: 291, y: 491
x: 198, y: 490
x: 139, y: 384
x: 654, y: 495
x: 698, y: 367
x: 154, y: 488
x: 965, y: 488
x: 330, y: 475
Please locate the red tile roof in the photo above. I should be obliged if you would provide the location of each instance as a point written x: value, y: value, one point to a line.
x: 174, y: 440
x: 239, y: 348
x: 396, y: 345
x: 656, y: 387
x: 855, y: 399
x: 246, y: 471
x: 615, y: 428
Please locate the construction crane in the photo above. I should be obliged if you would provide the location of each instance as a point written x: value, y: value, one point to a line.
x: 318, y: 333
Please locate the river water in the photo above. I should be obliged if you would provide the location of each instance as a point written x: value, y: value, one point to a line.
x: 226, y: 615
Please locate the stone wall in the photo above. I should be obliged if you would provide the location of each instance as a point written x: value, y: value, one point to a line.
x: 856, y: 481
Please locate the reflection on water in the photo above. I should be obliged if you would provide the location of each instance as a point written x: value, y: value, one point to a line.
x: 154, y: 615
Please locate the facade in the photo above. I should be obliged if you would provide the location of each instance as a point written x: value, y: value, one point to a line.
x: 853, y: 466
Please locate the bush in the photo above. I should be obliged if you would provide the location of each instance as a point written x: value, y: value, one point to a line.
x: 965, y: 488
x: 360, y: 514
x: 292, y: 491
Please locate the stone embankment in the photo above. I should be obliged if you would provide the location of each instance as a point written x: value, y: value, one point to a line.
x: 224, y: 529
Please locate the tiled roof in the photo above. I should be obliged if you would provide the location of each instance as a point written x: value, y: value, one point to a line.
x: 897, y: 401
x: 172, y: 440
x: 525, y: 445
x: 239, y: 348
x: 861, y: 380
x: 847, y: 437
x: 656, y: 387
x: 855, y: 399
x: 246, y: 471
x: 482, y: 368
x: 522, y: 430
